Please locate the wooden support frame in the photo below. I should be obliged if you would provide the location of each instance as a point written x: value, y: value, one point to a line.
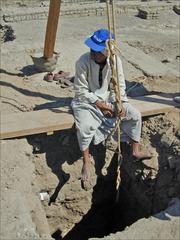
x: 51, y: 28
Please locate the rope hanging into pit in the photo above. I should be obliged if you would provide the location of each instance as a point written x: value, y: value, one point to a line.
x: 113, y: 51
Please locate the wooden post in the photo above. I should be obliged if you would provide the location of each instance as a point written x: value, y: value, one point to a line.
x: 51, y: 28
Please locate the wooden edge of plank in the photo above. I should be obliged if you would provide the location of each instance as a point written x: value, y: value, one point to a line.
x: 14, y: 134
x: 148, y: 113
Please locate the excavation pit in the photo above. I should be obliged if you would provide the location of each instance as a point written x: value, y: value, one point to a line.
x: 55, y: 165
x: 146, y: 187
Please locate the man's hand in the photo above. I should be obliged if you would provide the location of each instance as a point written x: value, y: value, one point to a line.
x: 122, y: 112
x: 105, y: 108
x: 107, y: 113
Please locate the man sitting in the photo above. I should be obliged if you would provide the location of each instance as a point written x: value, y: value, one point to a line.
x: 93, y: 104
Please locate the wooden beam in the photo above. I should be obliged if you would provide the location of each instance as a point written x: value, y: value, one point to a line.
x: 54, y: 119
x: 29, y: 123
x: 150, y: 105
x: 51, y: 28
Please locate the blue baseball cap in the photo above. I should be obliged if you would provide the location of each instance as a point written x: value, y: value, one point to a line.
x: 97, y: 42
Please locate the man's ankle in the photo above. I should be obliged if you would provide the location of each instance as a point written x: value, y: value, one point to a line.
x: 86, y: 160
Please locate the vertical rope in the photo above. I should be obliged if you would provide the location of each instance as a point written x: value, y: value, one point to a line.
x: 118, y: 180
x: 109, y: 19
x: 113, y: 19
x: 115, y: 82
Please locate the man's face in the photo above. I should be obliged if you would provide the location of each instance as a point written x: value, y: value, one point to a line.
x: 99, y: 57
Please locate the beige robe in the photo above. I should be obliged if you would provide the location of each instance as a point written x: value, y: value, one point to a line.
x: 90, y: 122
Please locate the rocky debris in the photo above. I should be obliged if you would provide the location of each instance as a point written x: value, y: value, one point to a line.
x: 166, y: 140
x: 25, y: 17
x: 6, y: 33
x: 24, y: 3
x: 152, y: 185
x: 81, y: 1
x: 158, y: 132
x: 167, y: 60
x: 176, y: 9
x: 161, y: 127
x: 148, y: 13
x: 146, y: 186
x: 173, y: 161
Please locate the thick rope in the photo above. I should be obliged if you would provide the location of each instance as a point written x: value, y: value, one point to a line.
x: 113, y: 49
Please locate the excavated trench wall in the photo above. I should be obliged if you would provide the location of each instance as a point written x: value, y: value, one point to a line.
x: 146, y: 187
x: 78, y: 8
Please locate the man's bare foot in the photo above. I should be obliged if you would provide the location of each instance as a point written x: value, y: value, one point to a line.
x: 141, y: 156
x: 85, y: 175
x: 137, y: 154
x: 85, y: 172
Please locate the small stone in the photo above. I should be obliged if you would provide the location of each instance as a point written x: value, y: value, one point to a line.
x: 178, y: 134
x: 167, y: 60
x: 44, y: 196
x: 36, y: 147
x: 177, y: 99
x: 86, y: 185
x: 171, y: 161
x: 166, y: 140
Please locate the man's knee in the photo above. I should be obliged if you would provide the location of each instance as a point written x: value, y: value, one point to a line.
x: 85, y: 128
x: 136, y: 115
x: 132, y: 113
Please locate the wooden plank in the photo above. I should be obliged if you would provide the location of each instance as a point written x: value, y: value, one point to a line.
x: 54, y: 119
x: 29, y: 123
x: 153, y: 104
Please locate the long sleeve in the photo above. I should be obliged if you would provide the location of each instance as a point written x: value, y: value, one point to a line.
x: 81, y: 85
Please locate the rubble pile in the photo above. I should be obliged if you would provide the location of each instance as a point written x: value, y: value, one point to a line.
x: 6, y: 33
x: 146, y: 13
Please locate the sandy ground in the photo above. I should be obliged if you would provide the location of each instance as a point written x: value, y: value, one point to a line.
x: 24, y: 174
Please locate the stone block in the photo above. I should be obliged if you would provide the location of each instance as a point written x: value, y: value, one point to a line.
x: 176, y: 9
x: 166, y: 140
x: 148, y: 13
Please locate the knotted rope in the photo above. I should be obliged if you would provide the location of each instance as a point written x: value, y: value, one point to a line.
x: 113, y: 51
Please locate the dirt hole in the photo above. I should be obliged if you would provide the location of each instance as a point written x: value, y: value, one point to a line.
x: 147, y: 187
